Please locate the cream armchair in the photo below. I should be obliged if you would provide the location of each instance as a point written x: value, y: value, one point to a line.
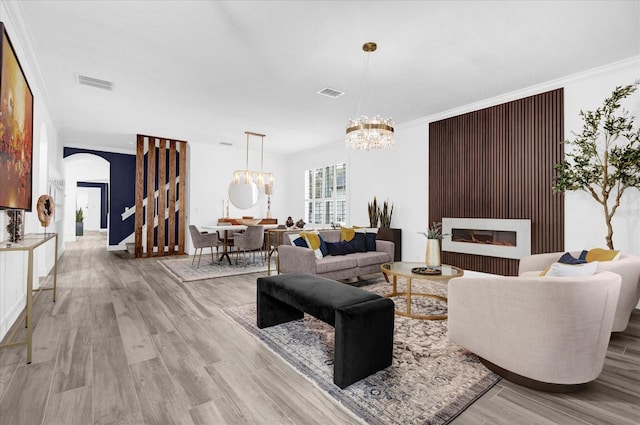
x: 547, y: 333
x: 627, y: 266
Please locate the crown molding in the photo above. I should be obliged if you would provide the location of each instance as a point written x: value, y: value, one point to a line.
x: 525, y: 92
x: 18, y: 28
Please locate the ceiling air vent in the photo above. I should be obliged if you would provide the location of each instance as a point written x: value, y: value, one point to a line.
x: 329, y: 92
x: 95, y: 82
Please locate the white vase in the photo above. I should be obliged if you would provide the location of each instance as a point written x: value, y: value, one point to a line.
x: 432, y: 257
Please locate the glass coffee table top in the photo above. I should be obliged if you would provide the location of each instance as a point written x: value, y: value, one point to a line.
x: 403, y: 269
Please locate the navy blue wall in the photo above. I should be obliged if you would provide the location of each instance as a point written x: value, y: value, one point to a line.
x: 123, y: 190
x: 104, y: 200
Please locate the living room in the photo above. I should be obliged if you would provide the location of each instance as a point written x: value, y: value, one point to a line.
x: 399, y: 174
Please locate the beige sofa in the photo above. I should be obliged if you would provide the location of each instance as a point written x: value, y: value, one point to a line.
x: 297, y: 259
x: 627, y: 266
x: 547, y: 333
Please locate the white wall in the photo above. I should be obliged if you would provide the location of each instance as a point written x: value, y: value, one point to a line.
x: 584, y: 217
x: 81, y: 167
x: 211, y: 170
x: 88, y: 198
x: 47, y: 165
x: 398, y: 175
x: 401, y: 173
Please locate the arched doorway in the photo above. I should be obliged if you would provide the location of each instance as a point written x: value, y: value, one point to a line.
x: 87, y: 168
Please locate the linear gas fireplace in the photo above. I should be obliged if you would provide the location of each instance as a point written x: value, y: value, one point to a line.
x: 504, y: 238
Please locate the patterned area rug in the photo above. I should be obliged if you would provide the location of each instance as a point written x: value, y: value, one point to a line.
x: 431, y: 380
x: 181, y: 268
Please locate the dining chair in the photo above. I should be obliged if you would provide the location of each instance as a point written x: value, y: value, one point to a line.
x: 251, y: 240
x: 203, y: 240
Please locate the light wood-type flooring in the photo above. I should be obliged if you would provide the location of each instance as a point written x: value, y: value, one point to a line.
x: 127, y: 344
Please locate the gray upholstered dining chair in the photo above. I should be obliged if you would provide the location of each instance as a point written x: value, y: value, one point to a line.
x: 251, y: 240
x: 203, y: 240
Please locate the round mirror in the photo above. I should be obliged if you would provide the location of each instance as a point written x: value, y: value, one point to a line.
x: 244, y: 195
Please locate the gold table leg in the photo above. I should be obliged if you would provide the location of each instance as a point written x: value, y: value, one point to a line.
x: 268, y: 253
x: 29, y: 306
x: 408, y: 294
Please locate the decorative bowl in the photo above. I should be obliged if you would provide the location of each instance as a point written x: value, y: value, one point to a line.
x: 249, y: 221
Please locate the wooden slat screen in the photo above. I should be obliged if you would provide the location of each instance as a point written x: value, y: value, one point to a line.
x: 139, y: 196
x: 162, y: 182
x: 172, y: 197
x: 498, y: 163
x: 160, y: 239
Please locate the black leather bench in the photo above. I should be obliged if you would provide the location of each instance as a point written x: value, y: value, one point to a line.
x: 363, y: 321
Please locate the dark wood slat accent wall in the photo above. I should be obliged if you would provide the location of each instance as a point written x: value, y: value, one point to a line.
x: 498, y: 163
x: 162, y: 239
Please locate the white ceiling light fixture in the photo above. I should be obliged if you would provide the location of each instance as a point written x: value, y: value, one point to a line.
x: 364, y: 132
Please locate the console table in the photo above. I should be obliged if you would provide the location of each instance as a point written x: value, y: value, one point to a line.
x: 30, y: 242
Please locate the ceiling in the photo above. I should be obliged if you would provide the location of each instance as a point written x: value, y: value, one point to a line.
x: 207, y: 71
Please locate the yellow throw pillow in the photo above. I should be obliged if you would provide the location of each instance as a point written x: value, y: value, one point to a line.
x: 599, y: 254
x: 347, y: 233
x: 316, y: 243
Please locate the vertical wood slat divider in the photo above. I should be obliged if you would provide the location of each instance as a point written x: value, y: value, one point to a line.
x: 171, y: 221
x: 183, y: 197
x: 151, y: 179
x: 165, y: 236
x: 162, y: 182
x: 498, y: 163
x: 139, y: 196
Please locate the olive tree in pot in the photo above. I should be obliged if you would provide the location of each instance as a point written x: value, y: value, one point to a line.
x: 605, y: 159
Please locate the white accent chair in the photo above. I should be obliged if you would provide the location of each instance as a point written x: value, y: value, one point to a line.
x: 547, y: 333
x: 627, y: 266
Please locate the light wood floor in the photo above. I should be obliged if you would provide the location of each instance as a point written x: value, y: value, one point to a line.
x: 127, y: 344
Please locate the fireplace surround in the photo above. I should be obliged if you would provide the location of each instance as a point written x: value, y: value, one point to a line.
x: 491, y: 237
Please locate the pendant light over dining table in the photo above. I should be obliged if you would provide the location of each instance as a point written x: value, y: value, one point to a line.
x: 246, y: 185
x: 369, y: 133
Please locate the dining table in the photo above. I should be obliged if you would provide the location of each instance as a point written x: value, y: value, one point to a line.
x: 229, y: 228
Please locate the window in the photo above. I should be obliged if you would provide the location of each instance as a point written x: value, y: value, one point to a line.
x: 326, y: 195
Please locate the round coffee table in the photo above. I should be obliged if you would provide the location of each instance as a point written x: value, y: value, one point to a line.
x: 403, y: 269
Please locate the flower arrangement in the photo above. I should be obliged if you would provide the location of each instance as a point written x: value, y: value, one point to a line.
x: 435, y: 231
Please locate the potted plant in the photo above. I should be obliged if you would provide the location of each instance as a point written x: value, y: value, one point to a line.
x: 605, y: 160
x: 434, y: 235
x: 79, y: 222
x: 383, y: 216
x: 374, y: 213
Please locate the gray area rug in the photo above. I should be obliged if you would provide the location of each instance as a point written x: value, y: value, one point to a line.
x: 431, y: 380
x: 181, y: 268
